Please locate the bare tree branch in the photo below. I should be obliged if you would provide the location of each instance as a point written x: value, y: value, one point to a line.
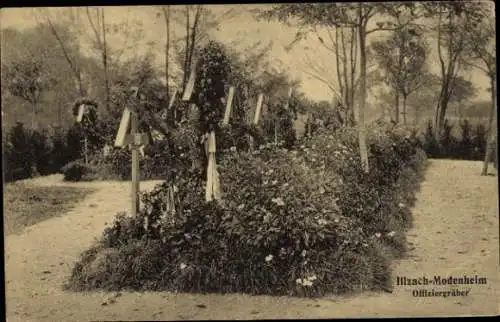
x: 337, y: 60
x: 320, y: 39
x: 125, y: 41
x: 325, y: 81
x: 315, y: 67
x: 440, y: 54
x: 194, y: 32
x: 96, y: 33
x: 63, y: 48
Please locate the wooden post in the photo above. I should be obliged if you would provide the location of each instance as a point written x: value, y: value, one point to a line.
x: 79, y: 119
x: 258, y: 109
x: 492, y: 130
x: 171, y: 104
x: 81, y: 110
x: 275, y: 132
x: 135, y: 164
x: 172, y: 99
x: 85, y: 149
x: 227, y: 113
x: 136, y: 141
x: 256, y: 119
x: 123, y: 129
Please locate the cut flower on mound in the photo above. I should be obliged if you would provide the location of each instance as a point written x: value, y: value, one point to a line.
x: 286, y: 225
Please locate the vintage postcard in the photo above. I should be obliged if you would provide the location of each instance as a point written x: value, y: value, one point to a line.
x: 250, y: 161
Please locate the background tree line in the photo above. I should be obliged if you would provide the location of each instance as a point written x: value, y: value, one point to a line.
x: 462, y: 33
x: 45, y: 69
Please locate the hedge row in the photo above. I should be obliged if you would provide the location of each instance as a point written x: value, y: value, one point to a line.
x: 28, y: 153
x: 172, y: 156
x: 469, y: 145
x: 315, y: 226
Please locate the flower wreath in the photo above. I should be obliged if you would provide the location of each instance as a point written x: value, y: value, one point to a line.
x: 84, y: 101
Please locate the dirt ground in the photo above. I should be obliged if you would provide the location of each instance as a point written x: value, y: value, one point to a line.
x: 455, y: 233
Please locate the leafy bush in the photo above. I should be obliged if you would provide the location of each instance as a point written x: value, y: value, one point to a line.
x: 479, y: 142
x: 19, y: 155
x: 175, y: 155
x: 470, y: 145
x: 59, y: 152
x: 380, y: 199
x: 213, y: 70
x: 76, y: 171
x: 317, y: 226
x: 464, y: 148
x: 430, y: 144
x: 237, y: 135
x: 494, y: 155
x: 448, y: 143
x: 281, y: 121
x: 165, y: 158
x: 42, y: 149
x: 6, y: 156
x: 29, y: 153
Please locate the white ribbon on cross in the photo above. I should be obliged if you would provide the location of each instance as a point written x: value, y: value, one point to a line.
x: 171, y: 199
x: 212, y: 191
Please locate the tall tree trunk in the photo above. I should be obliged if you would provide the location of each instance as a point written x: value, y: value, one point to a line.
x: 340, y: 79
x: 437, y: 112
x: 186, y: 53
x: 166, y: 13
x: 59, y: 115
x: 33, y: 116
x: 491, y: 131
x: 346, y: 94
x: 398, y: 84
x: 193, y: 39
x: 354, y: 59
x: 275, y: 132
x: 416, y: 116
x: 404, y: 109
x: 105, y: 61
x: 396, y: 105
x: 436, y: 117
x: 440, y: 115
x: 363, y: 149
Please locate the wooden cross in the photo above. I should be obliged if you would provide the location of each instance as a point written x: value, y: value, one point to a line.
x: 258, y: 109
x: 125, y: 135
x: 81, y: 110
x: 136, y: 141
x: 229, y: 103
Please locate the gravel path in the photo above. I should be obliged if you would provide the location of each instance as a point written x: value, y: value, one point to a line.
x: 455, y: 233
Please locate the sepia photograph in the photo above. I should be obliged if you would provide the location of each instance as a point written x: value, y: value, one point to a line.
x: 250, y: 161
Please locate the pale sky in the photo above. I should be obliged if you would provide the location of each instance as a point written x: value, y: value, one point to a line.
x: 242, y: 28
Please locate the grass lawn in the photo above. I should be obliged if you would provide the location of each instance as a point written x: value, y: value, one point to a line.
x: 26, y: 205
